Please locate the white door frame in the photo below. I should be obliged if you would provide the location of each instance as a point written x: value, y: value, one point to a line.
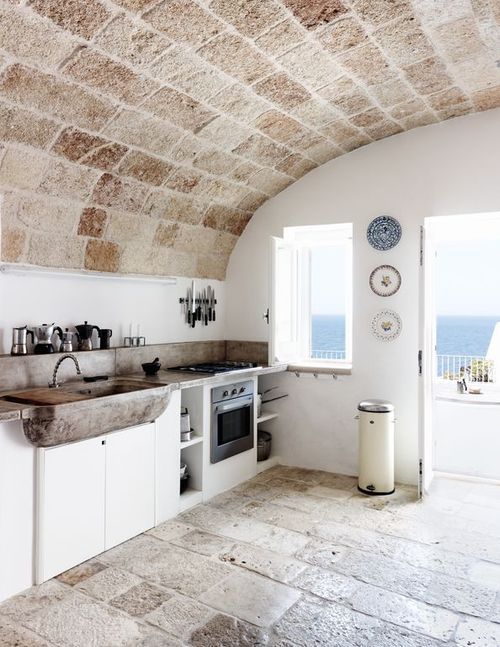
x: 427, y: 357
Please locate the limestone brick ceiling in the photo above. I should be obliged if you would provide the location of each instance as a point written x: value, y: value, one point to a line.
x: 140, y: 135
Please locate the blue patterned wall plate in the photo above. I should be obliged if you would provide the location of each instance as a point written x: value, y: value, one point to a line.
x: 384, y: 232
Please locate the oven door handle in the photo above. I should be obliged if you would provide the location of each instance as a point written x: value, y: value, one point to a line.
x: 242, y: 402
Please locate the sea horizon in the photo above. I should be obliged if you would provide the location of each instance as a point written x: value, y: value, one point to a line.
x: 456, y: 334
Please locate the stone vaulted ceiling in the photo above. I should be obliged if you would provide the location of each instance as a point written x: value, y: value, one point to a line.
x: 140, y: 135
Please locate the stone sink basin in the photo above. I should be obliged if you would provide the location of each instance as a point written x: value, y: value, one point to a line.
x: 80, y: 410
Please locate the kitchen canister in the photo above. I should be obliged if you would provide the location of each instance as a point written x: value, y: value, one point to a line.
x: 185, y: 421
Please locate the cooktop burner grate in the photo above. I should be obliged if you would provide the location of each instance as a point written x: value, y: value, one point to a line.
x: 215, y: 367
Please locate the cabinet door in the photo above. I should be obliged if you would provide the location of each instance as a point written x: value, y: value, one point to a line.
x: 70, y: 506
x: 130, y: 483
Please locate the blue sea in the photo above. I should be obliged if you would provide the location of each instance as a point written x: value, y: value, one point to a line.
x: 455, y: 335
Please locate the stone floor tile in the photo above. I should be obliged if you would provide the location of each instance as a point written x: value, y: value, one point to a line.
x: 224, y: 631
x: 319, y: 552
x: 203, y: 542
x: 229, y: 501
x: 78, y: 621
x: 81, y: 572
x: 256, y: 491
x: 476, y: 632
x: 179, y: 615
x: 456, y: 594
x: 391, y: 636
x: 405, y: 612
x: 25, y: 604
x: 329, y: 492
x: 108, y: 584
x: 169, y: 566
x: 282, y: 540
x: 326, y: 584
x: 233, y: 526
x: 281, y: 516
x: 279, y: 485
x: 252, y: 598
x: 265, y: 562
x: 313, y: 623
x: 12, y: 635
x: 170, y: 530
x: 302, y: 502
x: 140, y: 599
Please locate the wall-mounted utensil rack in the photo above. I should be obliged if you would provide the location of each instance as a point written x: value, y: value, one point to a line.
x: 199, y: 305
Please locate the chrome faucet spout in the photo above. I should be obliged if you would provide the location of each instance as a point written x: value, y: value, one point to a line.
x: 54, y: 384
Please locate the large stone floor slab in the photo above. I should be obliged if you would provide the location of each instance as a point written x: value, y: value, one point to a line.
x: 292, y: 558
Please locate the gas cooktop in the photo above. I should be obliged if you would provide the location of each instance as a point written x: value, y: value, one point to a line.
x: 215, y: 367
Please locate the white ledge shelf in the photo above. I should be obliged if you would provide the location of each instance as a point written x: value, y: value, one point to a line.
x: 194, y: 441
x: 190, y: 498
x: 266, y: 415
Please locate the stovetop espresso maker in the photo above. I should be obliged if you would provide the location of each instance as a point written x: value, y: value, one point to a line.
x: 85, y: 331
x: 43, y: 336
x: 20, y: 340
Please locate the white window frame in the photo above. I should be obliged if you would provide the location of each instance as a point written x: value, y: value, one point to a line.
x: 291, y: 256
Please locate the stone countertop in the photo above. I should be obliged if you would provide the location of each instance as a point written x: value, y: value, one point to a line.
x: 10, y: 411
x: 171, y: 380
x: 185, y: 380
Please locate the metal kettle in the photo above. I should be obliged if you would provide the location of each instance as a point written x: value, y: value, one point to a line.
x: 43, y: 336
x: 68, y: 341
x: 20, y: 340
x: 85, y: 335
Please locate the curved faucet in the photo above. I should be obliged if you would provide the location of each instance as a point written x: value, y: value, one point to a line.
x: 54, y: 384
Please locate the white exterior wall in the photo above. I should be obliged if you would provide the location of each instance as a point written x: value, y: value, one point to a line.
x: 445, y: 169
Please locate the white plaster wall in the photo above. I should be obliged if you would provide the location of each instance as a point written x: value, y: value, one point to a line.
x: 445, y: 169
x: 467, y: 439
x: 109, y: 303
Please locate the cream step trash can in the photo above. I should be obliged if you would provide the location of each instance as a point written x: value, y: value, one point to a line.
x: 376, y: 447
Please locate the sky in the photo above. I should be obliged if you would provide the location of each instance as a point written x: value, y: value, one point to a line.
x: 328, y: 281
x: 468, y: 278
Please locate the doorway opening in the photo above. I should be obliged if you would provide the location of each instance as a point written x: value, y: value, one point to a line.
x: 460, y: 423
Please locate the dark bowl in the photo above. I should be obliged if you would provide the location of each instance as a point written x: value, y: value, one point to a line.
x: 151, y: 368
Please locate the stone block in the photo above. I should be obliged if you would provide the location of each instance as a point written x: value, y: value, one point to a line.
x: 145, y: 168
x: 81, y: 17
x: 48, y: 93
x: 32, y: 39
x: 184, y: 21
x: 250, y: 18
x: 119, y: 193
x: 92, y: 222
x: 102, y: 256
x: 316, y: 13
x: 106, y: 75
x: 181, y: 109
x: 235, y: 56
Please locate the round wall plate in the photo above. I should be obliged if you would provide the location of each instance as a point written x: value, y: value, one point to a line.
x: 386, y: 325
x: 385, y: 280
x: 384, y: 232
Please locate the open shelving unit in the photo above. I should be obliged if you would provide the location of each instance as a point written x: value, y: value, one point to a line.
x: 265, y: 416
x: 191, y: 451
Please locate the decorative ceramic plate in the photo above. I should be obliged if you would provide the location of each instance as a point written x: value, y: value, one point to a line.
x: 386, y: 325
x: 385, y: 280
x: 384, y: 232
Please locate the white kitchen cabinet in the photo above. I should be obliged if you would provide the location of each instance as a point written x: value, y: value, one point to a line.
x: 130, y: 483
x: 71, y: 505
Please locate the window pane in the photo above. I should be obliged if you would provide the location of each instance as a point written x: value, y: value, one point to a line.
x: 328, y: 302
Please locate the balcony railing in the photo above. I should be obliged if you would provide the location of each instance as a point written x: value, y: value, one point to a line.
x: 470, y: 367
x: 328, y: 354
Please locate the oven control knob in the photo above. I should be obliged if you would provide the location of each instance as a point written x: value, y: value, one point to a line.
x: 234, y: 392
x: 225, y: 394
x: 242, y: 389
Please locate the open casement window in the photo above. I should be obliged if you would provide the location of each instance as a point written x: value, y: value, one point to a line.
x: 311, y: 296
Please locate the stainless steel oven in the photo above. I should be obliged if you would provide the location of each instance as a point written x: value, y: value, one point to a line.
x: 232, y: 429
